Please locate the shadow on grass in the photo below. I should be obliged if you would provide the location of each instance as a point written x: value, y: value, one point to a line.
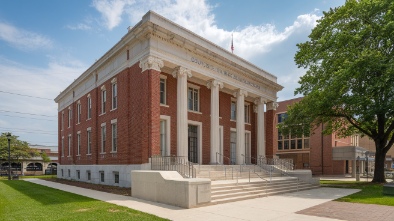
x: 42, y: 194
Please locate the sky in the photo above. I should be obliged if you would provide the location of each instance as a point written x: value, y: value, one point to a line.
x: 46, y: 44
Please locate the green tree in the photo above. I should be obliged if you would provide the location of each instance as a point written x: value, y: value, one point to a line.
x: 19, y: 149
x: 349, y: 83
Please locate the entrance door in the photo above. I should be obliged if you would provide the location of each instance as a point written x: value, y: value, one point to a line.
x: 233, y: 144
x: 192, y: 144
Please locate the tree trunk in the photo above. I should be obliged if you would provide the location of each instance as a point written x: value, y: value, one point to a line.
x: 380, y: 157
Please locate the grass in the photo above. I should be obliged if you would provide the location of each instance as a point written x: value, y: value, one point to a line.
x: 371, y: 193
x: 21, y: 200
x: 27, y: 177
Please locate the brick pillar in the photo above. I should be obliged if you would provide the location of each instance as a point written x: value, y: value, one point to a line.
x: 150, y: 116
x: 271, y: 144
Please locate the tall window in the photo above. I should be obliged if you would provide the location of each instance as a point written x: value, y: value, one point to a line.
x: 114, y: 137
x: 79, y: 143
x: 291, y: 142
x: 233, y: 110
x: 103, y: 137
x: 163, y: 91
x: 247, y: 113
x: 103, y: 100
x: 62, y: 146
x: 62, y: 120
x: 89, y: 141
x: 163, y: 140
x: 69, y: 145
x: 79, y: 112
x: 89, y: 106
x: 70, y: 114
x: 114, y: 95
x: 282, y: 117
x: 193, y: 99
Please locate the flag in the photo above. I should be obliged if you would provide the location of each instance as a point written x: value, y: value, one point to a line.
x: 232, y: 45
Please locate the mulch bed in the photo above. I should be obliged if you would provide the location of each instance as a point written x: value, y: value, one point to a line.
x: 104, y: 188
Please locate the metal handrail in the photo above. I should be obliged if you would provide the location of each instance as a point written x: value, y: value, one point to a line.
x: 217, y: 161
x: 174, y: 163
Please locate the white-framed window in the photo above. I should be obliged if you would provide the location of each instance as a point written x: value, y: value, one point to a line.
x: 163, y: 91
x: 103, y: 100
x: 89, y: 175
x: 193, y: 99
x: 70, y: 114
x: 116, y: 177
x: 62, y: 146
x: 78, y: 143
x: 247, y: 113
x: 114, y: 126
x: 103, y: 137
x: 78, y: 174
x: 89, y: 107
x: 69, y: 145
x: 102, y: 176
x: 114, y: 95
x: 62, y: 120
x: 89, y: 140
x: 79, y: 112
x: 233, y: 110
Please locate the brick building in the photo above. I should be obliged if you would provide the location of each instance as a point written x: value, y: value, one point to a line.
x: 163, y: 90
x: 320, y: 152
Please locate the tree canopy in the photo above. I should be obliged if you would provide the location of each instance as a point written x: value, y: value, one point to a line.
x: 19, y: 149
x: 349, y: 82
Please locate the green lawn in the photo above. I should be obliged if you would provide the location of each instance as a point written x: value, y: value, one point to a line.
x: 21, y: 200
x: 371, y: 193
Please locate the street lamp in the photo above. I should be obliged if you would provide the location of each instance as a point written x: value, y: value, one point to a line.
x: 9, y: 155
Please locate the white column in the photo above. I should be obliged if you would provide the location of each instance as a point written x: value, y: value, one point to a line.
x: 182, y: 130
x: 260, y: 126
x: 214, y: 85
x: 240, y: 146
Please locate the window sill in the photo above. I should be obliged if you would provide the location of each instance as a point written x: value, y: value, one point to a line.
x: 114, y: 109
x: 78, y: 123
x: 233, y: 120
x: 103, y: 153
x: 164, y: 105
x: 248, y: 123
x: 88, y: 154
x: 78, y: 155
x: 88, y: 119
x: 113, y: 152
x: 195, y: 112
x: 101, y: 114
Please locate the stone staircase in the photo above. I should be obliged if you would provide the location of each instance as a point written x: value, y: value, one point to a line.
x: 232, y: 183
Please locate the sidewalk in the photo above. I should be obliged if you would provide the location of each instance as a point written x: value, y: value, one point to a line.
x: 272, y: 208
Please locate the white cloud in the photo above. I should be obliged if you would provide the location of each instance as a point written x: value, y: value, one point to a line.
x: 80, y: 26
x: 23, y: 39
x: 111, y: 11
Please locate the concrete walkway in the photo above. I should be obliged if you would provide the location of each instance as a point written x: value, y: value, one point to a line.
x: 280, y: 207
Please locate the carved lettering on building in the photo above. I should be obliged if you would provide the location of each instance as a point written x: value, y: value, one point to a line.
x: 223, y: 72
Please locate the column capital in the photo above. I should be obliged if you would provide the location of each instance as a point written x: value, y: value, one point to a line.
x: 181, y: 71
x: 260, y: 100
x: 272, y: 105
x: 215, y: 83
x: 240, y: 92
x: 151, y: 62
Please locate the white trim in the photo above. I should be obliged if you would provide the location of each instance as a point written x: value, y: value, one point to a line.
x: 103, y: 124
x: 193, y: 86
x: 164, y: 105
x: 192, y: 111
x: 162, y: 76
x: 199, y: 135
x: 221, y: 143
x: 168, y: 133
x: 113, y: 81
x: 89, y: 129
x: 103, y: 88
x: 113, y: 121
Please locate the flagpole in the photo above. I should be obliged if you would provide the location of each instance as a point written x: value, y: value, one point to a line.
x: 232, y: 43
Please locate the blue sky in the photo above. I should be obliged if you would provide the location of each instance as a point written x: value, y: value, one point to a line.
x: 46, y: 44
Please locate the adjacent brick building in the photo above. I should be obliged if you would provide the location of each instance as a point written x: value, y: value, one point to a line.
x: 163, y: 90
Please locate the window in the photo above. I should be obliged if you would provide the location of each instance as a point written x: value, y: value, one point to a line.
x: 103, y: 131
x: 162, y: 91
x: 79, y: 113
x: 163, y: 140
x: 291, y: 142
x: 89, y: 175
x: 114, y: 95
x: 102, y: 176
x: 247, y: 113
x: 69, y: 172
x: 79, y: 143
x: 282, y: 117
x: 62, y: 120
x: 103, y: 100
x: 89, y: 141
x: 193, y: 99
x: 78, y: 174
x: 233, y: 110
x: 89, y: 106
x: 116, y: 177
x: 114, y: 136
x: 62, y: 173
x: 69, y: 145
x: 62, y: 146
x: 70, y: 114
